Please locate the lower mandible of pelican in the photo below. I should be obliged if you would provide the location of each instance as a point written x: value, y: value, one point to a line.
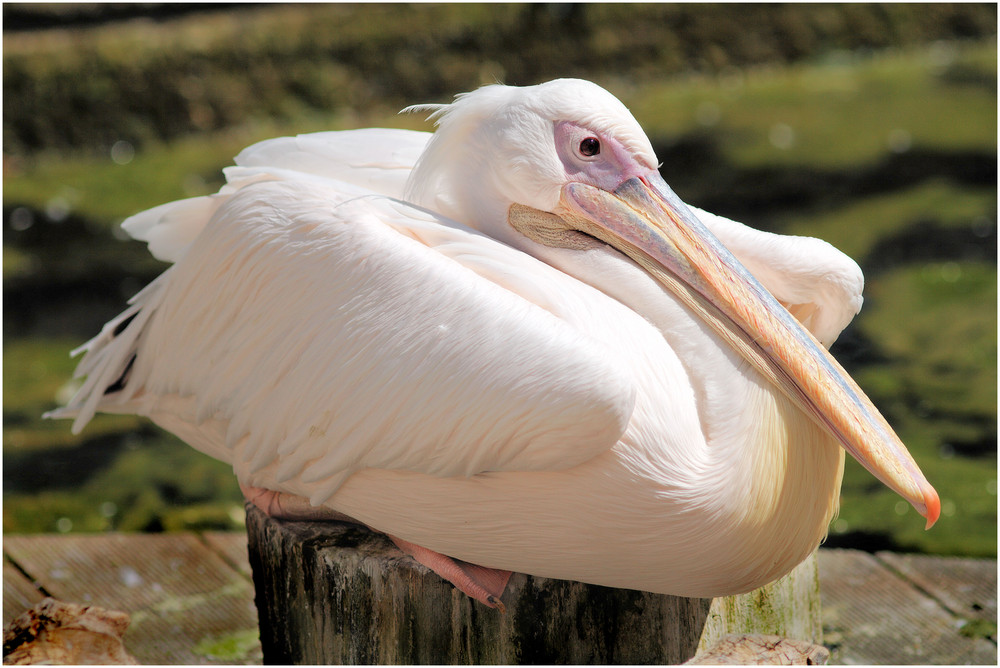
x: 509, y: 343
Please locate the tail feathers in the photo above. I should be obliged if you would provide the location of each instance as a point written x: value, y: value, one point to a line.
x: 110, y: 358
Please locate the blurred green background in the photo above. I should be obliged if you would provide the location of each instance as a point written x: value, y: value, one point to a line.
x: 871, y: 126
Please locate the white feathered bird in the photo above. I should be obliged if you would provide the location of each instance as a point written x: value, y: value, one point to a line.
x: 507, y: 342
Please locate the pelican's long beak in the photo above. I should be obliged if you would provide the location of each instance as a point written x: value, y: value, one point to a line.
x: 645, y: 219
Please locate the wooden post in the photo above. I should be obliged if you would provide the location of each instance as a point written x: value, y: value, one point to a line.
x: 338, y: 593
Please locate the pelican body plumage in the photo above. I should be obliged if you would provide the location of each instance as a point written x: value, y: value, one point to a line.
x: 508, y: 342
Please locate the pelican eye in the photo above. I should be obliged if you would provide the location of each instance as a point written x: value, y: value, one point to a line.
x: 590, y: 147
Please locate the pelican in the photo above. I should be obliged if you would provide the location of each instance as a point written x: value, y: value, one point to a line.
x: 509, y: 346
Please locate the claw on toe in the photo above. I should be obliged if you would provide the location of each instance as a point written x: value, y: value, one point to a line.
x: 485, y: 585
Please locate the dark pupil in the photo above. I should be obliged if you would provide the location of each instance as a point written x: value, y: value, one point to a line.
x: 590, y: 147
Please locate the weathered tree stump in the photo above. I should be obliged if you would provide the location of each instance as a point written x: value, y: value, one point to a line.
x: 338, y: 593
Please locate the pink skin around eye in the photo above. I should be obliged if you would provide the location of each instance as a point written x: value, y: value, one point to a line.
x: 605, y: 170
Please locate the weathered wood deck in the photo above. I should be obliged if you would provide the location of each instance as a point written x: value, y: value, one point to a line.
x: 191, y: 597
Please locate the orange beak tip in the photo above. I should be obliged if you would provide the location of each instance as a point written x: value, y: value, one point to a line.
x: 932, y: 503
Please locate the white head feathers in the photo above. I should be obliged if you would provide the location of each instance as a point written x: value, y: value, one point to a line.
x: 495, y: 146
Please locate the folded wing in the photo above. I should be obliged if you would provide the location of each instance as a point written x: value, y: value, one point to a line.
x: 321, y: 334
x: 313, y: 326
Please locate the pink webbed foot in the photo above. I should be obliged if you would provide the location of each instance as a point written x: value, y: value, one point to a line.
x: 485, y: 585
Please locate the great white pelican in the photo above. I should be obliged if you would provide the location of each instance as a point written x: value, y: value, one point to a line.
x: 507, y: 342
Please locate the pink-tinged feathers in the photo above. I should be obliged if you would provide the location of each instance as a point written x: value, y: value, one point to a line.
x: 422, y: 366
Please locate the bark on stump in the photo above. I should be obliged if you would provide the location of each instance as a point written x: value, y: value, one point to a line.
x: 338, y: 593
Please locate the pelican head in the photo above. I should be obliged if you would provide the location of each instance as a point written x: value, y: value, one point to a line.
x: 565, y: 165
x: 501, y: 145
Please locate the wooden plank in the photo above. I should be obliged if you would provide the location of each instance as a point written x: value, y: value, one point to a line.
x: 19, y: 594
x: 872, y: 616
x: 336, y: 593
x: 967, y: 587
x: 232, y: 545
x: 856, y: 619
x: 187, y: 604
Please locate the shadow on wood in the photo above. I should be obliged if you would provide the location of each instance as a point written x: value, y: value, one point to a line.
x: 338, y: 593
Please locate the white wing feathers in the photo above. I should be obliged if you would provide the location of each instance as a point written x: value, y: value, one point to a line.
x: 170, y: 229
x: 329, y: 339
x: 376, y: 159
x: 373, y: 160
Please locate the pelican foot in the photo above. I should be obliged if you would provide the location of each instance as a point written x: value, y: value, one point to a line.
x: 482, y: 584
x: 284, y: 506
x: 485, y: 585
